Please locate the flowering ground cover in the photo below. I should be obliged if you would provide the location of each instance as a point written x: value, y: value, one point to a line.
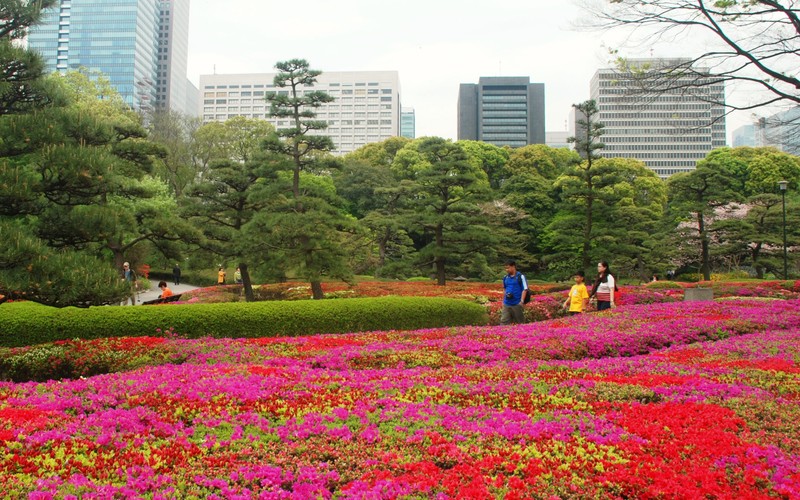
x: 674, y: 400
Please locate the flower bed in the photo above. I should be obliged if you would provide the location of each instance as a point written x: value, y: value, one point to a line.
x: 531, y: 411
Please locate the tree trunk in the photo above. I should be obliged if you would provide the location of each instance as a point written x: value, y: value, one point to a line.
x: 705, y: 267
x: 587, y: 231
x: 248, y: 287
x: 439, y: 259
x: 316, y: 290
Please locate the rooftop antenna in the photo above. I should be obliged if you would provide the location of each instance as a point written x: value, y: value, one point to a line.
x: 215, y: 69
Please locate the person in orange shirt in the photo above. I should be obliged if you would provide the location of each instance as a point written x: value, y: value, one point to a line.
x: 165, y: 292
x: 221, y: 276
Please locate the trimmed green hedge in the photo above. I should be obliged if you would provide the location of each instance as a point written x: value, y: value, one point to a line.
x: 26, y: 323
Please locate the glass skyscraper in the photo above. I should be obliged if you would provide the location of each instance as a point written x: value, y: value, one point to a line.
x: 125, y: 40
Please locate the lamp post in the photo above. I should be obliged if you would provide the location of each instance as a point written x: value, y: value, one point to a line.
x: 783, y: 185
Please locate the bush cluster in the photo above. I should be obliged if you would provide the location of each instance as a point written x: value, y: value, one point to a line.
x: 27, y: 324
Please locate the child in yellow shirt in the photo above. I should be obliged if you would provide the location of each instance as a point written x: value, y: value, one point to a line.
x: 578, y: 299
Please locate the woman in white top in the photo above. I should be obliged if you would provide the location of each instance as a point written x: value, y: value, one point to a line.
x: 604, y: 287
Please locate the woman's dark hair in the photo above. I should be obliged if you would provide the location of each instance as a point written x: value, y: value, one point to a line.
x: 162, y: 283
x: 602, y: 278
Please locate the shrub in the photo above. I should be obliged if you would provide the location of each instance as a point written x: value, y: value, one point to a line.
x: 26, y: 325
x: 664, y: 285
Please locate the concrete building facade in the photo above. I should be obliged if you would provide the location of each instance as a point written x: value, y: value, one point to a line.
x: 141, y: 46
x: 504, y: 111
x: 669, y: 131
x: 366, y: 108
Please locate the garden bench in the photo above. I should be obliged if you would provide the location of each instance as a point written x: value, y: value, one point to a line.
x: 171, y: 298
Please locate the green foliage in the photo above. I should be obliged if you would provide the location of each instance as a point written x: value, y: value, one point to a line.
x: 664, y: 285
x: 303, y: 226
x: 24, y: 324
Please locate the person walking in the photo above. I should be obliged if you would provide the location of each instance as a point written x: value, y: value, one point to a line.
x: 176, y: 274
x: 578, y: 299
x: 221, y: 276
x: 515, y: 286
x: 237, y: 276
x: 604, y: 287
x: 129, y: 275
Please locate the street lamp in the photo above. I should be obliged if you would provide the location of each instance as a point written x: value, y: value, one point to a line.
x: 783, y: 185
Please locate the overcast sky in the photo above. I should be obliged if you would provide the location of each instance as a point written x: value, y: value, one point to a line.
x: 434, y: 45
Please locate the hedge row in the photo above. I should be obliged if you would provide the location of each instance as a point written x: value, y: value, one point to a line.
x: 26, y: 323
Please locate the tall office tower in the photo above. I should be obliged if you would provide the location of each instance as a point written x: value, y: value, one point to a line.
x: 408, y: 123
x: 122, y: 39
x: 669, y: 130
x: 504, y: 111
x: 366, y: 106
x: 173, y: 90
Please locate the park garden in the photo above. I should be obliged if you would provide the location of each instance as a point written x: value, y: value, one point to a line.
x: 659, y: 398
x: 308, y: 380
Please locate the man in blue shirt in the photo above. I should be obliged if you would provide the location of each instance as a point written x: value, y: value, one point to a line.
x: 515, y: 286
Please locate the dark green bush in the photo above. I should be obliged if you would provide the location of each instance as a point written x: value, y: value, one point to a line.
x: 27, y: 324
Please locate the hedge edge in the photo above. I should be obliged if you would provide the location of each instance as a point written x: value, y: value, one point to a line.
x: 27, y: 324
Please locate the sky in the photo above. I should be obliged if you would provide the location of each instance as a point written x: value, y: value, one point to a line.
x: 434, y: 45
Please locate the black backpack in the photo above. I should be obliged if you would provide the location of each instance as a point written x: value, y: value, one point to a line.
x: 527, y: 296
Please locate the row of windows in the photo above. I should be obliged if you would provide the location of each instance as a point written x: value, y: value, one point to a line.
x: 505, y: 121
x: 668, y: 131
x: 650, y: 115
x: 648, y: 156
x: 497, y: 106
x: 646, y: 107
x: 270, y: 86
x: 643, y: 123
x: 655, y: 147
x: 665, y: 138
x: 639, y: 99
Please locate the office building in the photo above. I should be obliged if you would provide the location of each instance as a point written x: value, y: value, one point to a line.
x: 173, y: 90
x: 669, y: 130
x: 408, y: 123
x: 366, y: 108
x: 504, y: 111
x: 780, y: 130
x: 744, y: 136
x: 141, y: 46
x: 558, y: 139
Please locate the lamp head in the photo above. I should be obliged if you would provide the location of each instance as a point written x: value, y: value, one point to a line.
x: 783, y: 185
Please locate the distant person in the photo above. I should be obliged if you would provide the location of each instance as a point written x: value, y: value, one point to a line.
x: 670, y: 275
x: 176, y: 274
x: 515, y: 286
x: 129, y: 275
x: 604, y: 287
x: 237, y: 276
x: 655, y: 278
x: 221, y: 276
x: 165, y: 292
x: 578, y: 299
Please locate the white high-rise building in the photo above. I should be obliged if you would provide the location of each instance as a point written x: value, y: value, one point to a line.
x: 669, y: 129
x: 366, y: 108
